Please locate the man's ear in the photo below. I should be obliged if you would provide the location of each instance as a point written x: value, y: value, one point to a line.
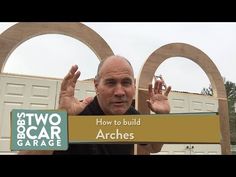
x: 95, y: 81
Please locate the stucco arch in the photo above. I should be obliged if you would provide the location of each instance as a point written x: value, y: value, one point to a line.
x: 199, y: 57
x: 20, y: 32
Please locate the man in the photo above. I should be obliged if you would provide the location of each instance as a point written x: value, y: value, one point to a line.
x: 115, y: 90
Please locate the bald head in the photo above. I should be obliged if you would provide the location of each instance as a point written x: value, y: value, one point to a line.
x: 114, y: 60
x: 115, y: 85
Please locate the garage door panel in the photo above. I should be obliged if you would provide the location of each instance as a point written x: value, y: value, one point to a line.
x: 5, y: 145
x: 5, y: 116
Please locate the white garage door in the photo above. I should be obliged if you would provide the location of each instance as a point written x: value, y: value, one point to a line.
x: 22, y: 92
x: 186, y: 103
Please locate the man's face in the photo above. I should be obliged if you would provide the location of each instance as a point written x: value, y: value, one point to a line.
x: 115, y: 86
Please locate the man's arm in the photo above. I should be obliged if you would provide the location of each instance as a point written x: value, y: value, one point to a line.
x: 35, y: 153
x: 146, y: 149
x: 158, y: 103
x: 67, y: 101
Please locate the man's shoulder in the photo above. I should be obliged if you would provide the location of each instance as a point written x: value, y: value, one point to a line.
x: 92, y: 109
x: 132, y: 110
x: 89, y: 110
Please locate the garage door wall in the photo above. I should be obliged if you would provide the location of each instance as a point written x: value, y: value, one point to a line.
x: 25, y: 92
x: 21, y: 92
x: 182, y: 102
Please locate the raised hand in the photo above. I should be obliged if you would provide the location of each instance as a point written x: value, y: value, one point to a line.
x: 67, y: 100
x: 158, y: 101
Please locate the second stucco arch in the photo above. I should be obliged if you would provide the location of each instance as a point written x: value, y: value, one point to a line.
x: 20, y: 32
x: 199, y: 57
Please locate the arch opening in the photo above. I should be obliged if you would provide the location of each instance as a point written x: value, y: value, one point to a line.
x: 21, y: 32
x: 200, y: 58
x: 51, y: 55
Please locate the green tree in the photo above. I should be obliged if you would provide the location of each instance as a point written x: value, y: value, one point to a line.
x: 231, y: 96
x: 230, y: 88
